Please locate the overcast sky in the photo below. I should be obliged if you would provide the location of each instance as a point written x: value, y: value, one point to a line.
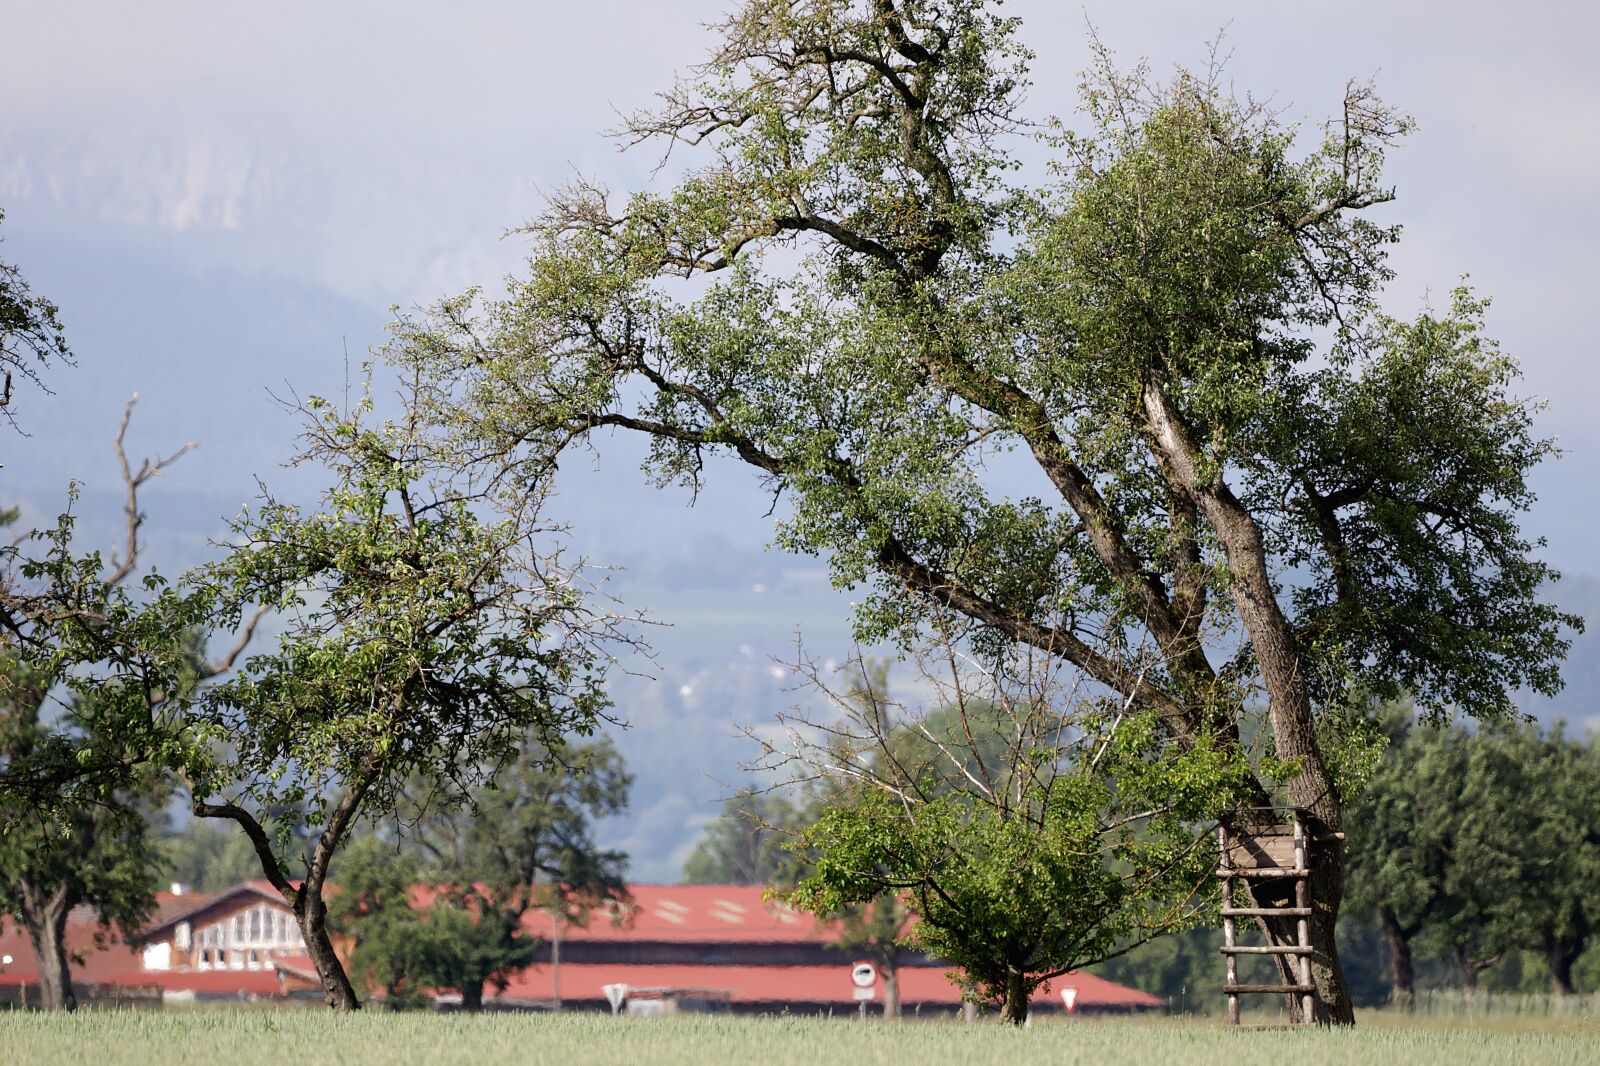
x: 225, y: 196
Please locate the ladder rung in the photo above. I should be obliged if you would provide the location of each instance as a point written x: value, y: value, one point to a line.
x: 1269, y: 949
x: 1266, y: 912
x: 1233, y: 990
x: 1262, y: 871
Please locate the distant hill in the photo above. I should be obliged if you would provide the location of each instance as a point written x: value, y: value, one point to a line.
x: 1579, y: 702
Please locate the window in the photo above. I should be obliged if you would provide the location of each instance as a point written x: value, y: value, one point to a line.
x: 255, y: 925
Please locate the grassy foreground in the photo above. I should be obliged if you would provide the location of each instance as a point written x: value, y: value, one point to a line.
x: 290, y: 1038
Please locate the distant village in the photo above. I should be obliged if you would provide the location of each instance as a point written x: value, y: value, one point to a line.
x: 673, y: 948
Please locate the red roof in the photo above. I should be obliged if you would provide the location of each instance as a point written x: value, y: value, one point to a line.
x: 800, y: 984
x: 663, y: 913
x: 693, y: 914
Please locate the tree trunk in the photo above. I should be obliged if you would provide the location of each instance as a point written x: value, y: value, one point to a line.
x: 1561, y: 957
x: 1402, y: 972
x: 891, y: 991
x: 472, y: 997
x: 1289, y: 708
x: 1015, y: 1011
x: 337, y: 992
x: 48, y: 931
x: 1471, y: 968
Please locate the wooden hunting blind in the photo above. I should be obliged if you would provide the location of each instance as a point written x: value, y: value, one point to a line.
x: 1271, y: 857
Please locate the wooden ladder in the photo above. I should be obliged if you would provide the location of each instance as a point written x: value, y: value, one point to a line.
x: 1255, y: 867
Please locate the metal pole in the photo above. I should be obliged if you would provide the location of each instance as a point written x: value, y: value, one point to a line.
x: 555, y: 958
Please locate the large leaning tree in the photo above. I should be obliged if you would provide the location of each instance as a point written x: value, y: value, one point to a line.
x: 1147, y: 405
x: 428, y: 628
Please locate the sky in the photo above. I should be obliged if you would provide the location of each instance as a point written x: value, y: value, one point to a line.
x: 226, y: 200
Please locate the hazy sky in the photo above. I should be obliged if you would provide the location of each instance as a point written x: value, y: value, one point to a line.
x: 225, y: 198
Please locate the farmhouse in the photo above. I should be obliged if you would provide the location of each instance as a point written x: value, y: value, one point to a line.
x: 688, y: 946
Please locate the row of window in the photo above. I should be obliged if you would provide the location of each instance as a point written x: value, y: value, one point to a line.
x: 236, y: 958
x: 258, y: 927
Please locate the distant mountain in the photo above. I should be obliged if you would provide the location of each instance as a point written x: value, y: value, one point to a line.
x: 1579, y: 702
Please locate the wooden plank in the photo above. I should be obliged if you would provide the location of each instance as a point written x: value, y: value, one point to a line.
x: 1302, y: 901
x: 1266, y: 949
x: 1262, y: 872
x: 1228, y: 929
x: 1261, y: 847
x: 1265, y: 912
x: 1252, y: 989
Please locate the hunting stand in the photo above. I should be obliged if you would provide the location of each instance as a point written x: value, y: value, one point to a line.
x: 1257, y: 847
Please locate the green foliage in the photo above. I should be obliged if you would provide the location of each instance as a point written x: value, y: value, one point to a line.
x: 1178, y: 336
x: 1029, y: 829
x: 746, y: 844
x: 422, y: 638
x: 208, y: 856
x: 31, y: 336
x: 524, y: 843
x: 389, y: 950
x: 1179, y: 332
x: 88, y: 673
x: 446, y: 909
x: 86, y: 849
x: 1476, y: 844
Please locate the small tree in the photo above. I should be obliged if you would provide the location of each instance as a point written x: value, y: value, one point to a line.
x: 745, y: 843
x: 524, y: 843
x: 1560, y: 900
x: 1438, y: 847
x: 374, y: 912
x: 92, y: 668
x: 428, y: 628
x: 1032, y: 829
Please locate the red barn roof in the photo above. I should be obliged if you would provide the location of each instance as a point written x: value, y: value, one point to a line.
x: 924, y: 986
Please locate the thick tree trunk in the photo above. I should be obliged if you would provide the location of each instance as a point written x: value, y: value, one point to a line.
x: 1402, y: 972
x: 48, y: 931
x: 1561, y: 957
x: 472, y: 997
x: 1015, y: 1011
x: 1289, y: 709
x: 890, y: 974
x: 337, y: 992
x: 1471, y: 968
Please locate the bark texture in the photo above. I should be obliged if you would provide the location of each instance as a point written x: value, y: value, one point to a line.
x: 1402, y: 970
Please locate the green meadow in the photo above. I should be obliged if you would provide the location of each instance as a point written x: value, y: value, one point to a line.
x: 246, y: 1037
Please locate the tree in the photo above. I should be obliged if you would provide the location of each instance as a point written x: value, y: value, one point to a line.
x: 78, y: 853
x: 374, y: 912
x: 525, y: 843
x: 1558, y: 902
x: 92, y: 665
x: 1178, y: 333
x: 208, y: 856
x: 1032, y: 830
x: 745, y: 843
x: 427, y: 630
x: 1439, y: 847
x: 31, y: 336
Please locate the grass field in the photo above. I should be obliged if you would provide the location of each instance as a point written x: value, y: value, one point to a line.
x: 290, y: 1038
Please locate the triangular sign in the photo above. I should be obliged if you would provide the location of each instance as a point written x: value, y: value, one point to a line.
x: 615, y: 994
